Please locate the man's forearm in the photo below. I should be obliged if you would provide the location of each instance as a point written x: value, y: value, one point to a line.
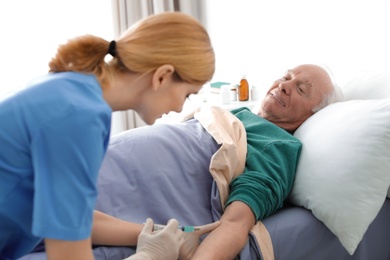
x: 228, y: 239
x: 108, y: 230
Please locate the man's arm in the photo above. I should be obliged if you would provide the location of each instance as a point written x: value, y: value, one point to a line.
x: 228, y: 239
x: 108, y: 230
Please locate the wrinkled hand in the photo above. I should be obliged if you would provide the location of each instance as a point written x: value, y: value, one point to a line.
x: 191, y: 240
x: 162, y: 244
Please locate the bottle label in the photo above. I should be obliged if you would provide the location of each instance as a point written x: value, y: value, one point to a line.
x: 233, y: 94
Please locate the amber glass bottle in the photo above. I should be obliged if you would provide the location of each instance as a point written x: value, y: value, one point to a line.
x: 243, y: 89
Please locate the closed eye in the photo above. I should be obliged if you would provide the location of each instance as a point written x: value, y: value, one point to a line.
x: 302, y: 89
x: 192, y: 93
x: 188, y: 97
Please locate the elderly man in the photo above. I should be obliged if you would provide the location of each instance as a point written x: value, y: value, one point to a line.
x: 170, y: 166
x: 291, y: 100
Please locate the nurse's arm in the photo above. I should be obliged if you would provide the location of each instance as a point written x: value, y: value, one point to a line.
x: 110, y: 231
x: 65, y: 250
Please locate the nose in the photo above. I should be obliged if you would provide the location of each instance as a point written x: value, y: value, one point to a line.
x: 178, y: 108
x: 285, y: 87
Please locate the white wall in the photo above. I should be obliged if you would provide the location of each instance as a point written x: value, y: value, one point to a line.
x: 32, y: 29
x: 263, y: 38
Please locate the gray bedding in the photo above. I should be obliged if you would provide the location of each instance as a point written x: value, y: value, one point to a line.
x: 297, y: 235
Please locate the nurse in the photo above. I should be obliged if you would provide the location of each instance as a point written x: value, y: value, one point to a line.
x: 54, y: 133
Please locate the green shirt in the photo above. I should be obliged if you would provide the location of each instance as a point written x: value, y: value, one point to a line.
x: 270, y: 166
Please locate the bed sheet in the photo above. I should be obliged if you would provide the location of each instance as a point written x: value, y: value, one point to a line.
x: 297, y: 235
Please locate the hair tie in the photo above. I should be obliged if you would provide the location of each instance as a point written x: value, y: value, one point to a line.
x: 112, y: 49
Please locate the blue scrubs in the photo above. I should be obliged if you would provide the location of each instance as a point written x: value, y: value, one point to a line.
x: 53, y: 137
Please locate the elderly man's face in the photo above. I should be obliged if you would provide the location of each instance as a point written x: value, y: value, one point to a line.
x: 291, y: 99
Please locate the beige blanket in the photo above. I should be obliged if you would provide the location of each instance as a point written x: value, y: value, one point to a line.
x: 229, y: 161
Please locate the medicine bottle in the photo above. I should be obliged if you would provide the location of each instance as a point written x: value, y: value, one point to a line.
x: 225, y: 94
x: 254, y: 93
x: 233, y: 92
x: 243, y: 89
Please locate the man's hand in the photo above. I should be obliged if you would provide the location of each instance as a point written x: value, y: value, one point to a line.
x: 191, y: 240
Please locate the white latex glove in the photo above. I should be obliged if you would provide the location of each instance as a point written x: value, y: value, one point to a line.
x: 191, y: 240
x: 158, y: 245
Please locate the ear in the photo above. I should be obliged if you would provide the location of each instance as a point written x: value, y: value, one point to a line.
x: 162, y: 76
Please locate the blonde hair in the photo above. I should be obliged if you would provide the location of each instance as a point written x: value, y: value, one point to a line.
x: 166, y: 38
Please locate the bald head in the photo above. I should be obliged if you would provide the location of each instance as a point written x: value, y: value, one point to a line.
x: 296, y: 96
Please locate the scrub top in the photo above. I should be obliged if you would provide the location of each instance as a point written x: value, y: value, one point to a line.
x: 53, y: 137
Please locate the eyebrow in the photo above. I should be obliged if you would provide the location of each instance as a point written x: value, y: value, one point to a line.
x: 291, y: 73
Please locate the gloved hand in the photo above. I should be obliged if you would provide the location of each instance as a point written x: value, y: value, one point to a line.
x: 162, y: 244
x: 191, y: 240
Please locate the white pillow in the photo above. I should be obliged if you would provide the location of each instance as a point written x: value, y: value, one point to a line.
x: 368, y: 86
x: 343, y: 174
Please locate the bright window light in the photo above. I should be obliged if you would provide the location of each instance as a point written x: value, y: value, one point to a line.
x: 262, y: 38
x: 32, y: 30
